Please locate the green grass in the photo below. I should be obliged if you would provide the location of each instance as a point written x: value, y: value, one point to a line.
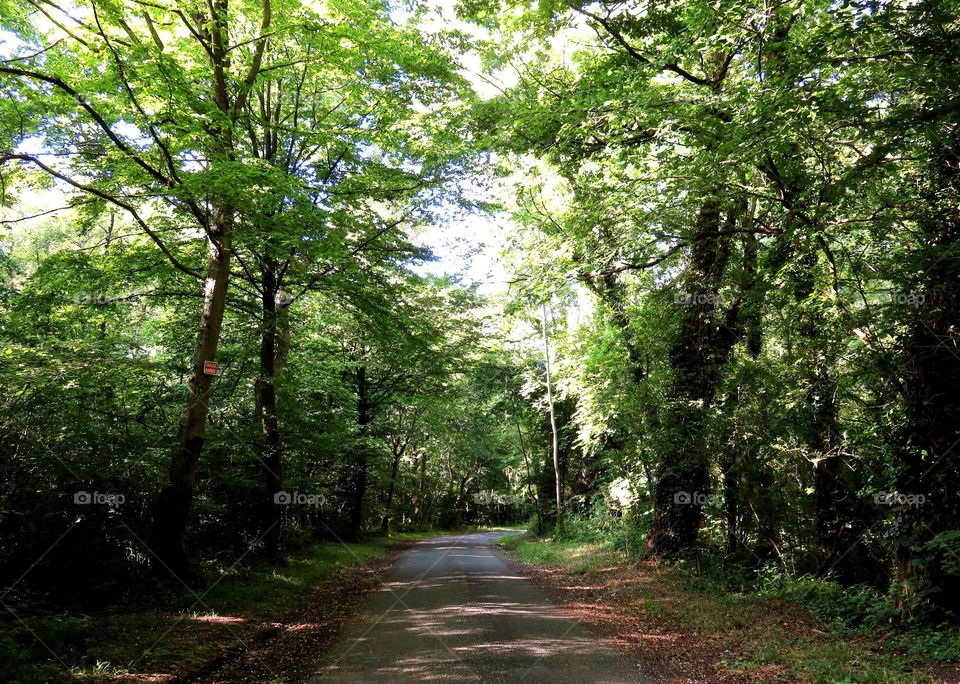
x: 262, y: 589
x: 575, y: 557
x: 177, y: 633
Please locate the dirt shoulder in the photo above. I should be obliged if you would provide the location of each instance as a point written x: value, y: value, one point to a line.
x: 606, y: 602
x: 681, y: 635
x: 292, y: 645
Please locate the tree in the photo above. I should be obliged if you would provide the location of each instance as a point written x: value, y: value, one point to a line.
x: 754, y: 167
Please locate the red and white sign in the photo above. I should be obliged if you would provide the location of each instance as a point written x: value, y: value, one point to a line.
x: 209, y: 367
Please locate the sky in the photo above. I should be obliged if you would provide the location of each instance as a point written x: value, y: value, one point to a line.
x: 465, y: 245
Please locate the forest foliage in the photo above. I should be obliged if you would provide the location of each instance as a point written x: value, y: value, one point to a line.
x: 729, y: 232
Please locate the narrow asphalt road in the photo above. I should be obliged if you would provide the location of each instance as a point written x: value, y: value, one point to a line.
x: 453, y: 610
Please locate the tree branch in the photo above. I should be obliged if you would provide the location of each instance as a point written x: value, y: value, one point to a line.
x: 94, y: 114
x: 632, y: 51
x: 113, y: 200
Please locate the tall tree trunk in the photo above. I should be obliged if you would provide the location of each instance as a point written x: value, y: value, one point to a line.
x: 834, y: 482
x: 731, y: 500
x: 731, y: 458
x: 531, y: 491
x: 418, y: 513
x: 928, y: 450
x: 173, y: 504
x: 558, y: 482
x: 751, y: 287
x: 364, y: 417
x: 696, y: 356
x: 272, y: 347
x: 388, y: 504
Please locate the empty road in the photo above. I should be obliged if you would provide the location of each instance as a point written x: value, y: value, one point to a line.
x: 452, y: 610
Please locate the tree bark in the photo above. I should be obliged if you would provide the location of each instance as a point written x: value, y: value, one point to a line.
x: 394, y: 467
x: 558, y: 483
x: 820, y: 430
x: 173, y: 504
x: 928, y: 451
x: 272, y: 347
x: 701, y: 347
x: 530, y: 488
x: 418, y: 512
x: 364, y: 418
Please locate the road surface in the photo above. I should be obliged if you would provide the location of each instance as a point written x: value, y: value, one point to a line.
x: 452, y: 610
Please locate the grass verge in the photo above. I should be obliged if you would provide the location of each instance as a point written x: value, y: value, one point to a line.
x: 664, y: 617
x: 181, y: 634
